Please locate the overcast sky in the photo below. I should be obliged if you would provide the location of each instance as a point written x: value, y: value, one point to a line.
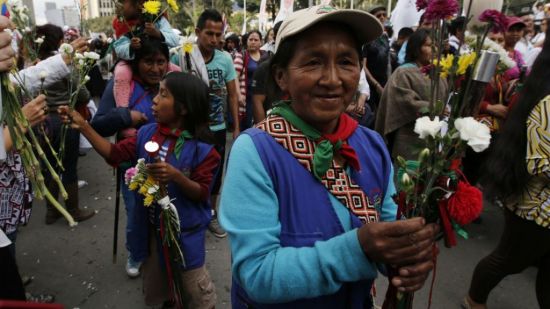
x: 40, y: 7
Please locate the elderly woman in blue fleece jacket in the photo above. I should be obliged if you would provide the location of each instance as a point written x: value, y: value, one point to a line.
x: 308, y: 232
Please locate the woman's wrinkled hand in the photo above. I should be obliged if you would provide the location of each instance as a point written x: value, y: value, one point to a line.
x: 162, y: 171
x: 71, y: 117
x: 36, y: 110
x: 406, y: 245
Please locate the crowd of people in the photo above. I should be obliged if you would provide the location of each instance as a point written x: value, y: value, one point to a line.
x: 322, y: 103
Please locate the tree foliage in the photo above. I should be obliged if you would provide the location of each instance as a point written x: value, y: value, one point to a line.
x: 99, y: 24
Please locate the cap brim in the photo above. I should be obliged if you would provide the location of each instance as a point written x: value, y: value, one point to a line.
x: 365, y: 26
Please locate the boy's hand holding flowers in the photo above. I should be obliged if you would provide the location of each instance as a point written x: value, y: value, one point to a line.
x: 72, y: 117
x: 152, y: 31
x: 162, y: 172
x: 135, y: 43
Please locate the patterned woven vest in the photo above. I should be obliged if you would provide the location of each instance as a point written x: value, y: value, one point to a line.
x: 337, y: 181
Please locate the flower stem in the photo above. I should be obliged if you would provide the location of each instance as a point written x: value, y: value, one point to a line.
x: 60, y: 208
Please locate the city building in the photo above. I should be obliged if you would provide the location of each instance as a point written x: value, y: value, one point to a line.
x: 97, y: 8
x: 54, y: 15
x: 71, y: 16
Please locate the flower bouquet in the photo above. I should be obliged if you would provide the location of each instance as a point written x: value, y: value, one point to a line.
x: 153, y: 9
x: 433, y: 186
x: 138, y: 179
x: 81, y: 64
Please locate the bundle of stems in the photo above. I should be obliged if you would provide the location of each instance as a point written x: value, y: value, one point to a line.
x: 27, y: 144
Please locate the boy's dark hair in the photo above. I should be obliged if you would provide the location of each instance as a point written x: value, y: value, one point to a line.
x: 405, y: 33
x: 149, y: 47
x: 235, y: 39
x: 209, y: 14
x: 191, y: 93
x: 457, y: 25
x: 414, y: 45
x: 53, y: 35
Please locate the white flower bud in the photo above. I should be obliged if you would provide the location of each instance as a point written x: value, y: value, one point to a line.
x: 39, y: 41
x: 43, y: 75
x: 91, y: 55
x: 406, y: 180
x: 86, y: 78
x: 66, y: 49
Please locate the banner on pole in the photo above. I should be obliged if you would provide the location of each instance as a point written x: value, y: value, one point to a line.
x: 262, y: 17
x: 287, y: 7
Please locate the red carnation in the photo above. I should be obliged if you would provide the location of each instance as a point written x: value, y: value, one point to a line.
x: 441, y: 9
x: 421, y: 4
x: 498, y: 21
x: 426, y: 69
x: 465, y: 204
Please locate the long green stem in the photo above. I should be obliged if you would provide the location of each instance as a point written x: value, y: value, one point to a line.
x: 53, y: 152
x: 60, y: 208
x: 52, y: 171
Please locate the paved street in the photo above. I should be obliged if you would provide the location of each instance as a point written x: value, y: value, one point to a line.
x: 76, y: 264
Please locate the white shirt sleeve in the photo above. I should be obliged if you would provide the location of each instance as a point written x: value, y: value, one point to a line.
x: 364, y: 87
x: 54, y: 66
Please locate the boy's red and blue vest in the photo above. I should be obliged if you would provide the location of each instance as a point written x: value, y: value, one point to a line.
x: 194, y: 217
x: 307, y: 215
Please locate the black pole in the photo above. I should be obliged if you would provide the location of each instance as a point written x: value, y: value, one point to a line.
x: 117, y: 210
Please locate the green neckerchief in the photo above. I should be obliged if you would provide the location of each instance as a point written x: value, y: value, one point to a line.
x: 180, y: 141
x: 324, y: 150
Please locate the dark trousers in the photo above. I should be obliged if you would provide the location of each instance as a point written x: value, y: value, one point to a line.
x: 219, y: 144
x: 11, y: 286
x: 523, y: 243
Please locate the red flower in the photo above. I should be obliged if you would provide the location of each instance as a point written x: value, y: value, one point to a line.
x: 441, y: 9
x: 497, y: 20
x: 421, y: 4
x: 426, y: 69
x: 465, y: 204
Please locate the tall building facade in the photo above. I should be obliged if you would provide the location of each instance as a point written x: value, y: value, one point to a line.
x: 97, y: 8
x: 54, y: 15
x: 71, y: 16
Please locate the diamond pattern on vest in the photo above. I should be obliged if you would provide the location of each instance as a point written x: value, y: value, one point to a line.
x: 336, y: 180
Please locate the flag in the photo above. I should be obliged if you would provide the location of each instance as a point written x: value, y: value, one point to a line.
x: 5, y: 11
x: 287, y: 7
x: 224, y: 22
x: 262, y: 17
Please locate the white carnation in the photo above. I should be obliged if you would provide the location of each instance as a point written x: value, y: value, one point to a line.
x: 476, y: 134
x: 91, y: 55
x: 425, y: 127
x: 78, y: 56
x: 153, y: 189
x: 66, y: 49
